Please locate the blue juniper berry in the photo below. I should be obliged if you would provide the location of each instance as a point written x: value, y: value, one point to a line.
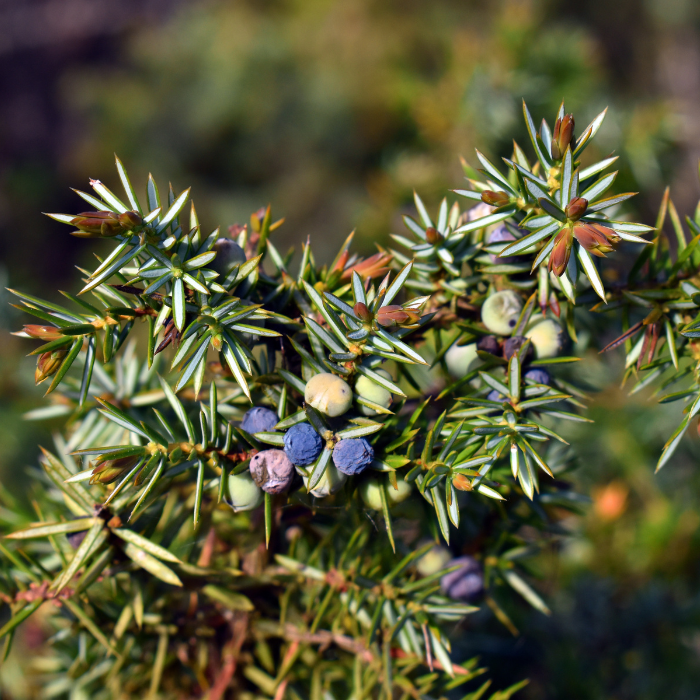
x: 302, y: 444
x: 501, y: 234
x: 537, y: 375
x: 465, y: 584
x: 259, y: 420
x: 353, y: 455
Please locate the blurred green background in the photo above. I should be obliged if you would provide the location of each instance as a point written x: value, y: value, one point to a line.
x: 334, y: 111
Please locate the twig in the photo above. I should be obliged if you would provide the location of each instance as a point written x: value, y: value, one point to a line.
x: 239, y: 631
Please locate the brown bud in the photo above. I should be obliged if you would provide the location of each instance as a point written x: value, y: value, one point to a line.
x: 256, y: 218
x: 576, y: 208
x: 362, y: 312
x: 234, y: 230
x: 609, y: 233
x: 433, y: 236
x: 48, y: 364
x: 559, y: 257
x: 596, y: 239
x: 111, y: 469
x: 91, y: 221
x: 130, y: 220
x: 78, y: 233
x: 495, y: 199
x: 96, y: 224
x: 219, y: 370
x: 395, y: 315
x: 461, y: 482
x: 109, y: 229
x: 43, y: 332
x: 374, y: 266
x: 563, y: 135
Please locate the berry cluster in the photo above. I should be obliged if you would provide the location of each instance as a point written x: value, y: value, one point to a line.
x: 225, y: 503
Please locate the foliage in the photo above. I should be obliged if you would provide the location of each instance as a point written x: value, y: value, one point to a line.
x: 337, y: 112
x: 172, y: 574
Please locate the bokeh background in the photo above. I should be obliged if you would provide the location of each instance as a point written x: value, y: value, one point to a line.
x: 334, y: 111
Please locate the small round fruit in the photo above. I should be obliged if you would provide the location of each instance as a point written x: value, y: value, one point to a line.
x: 329, y: 394
x: 331, y: 482
x: 371, y: 493
x: 400, y: 494
x: 500, y: 312
x: 489, y: 344
x: 353, y: 455
x: 371, y: 391
x: 513, y: 345
x: 228, y: 255
x: 259, y: 420
x: 461, y: 359
x: 272, y: 471
x: 302, y: 444
x: 244, y: 494
x: 501, y: 234
x: 547, y: 338
x: 538, y: 376
x: 465, y: 584
x: 433, y: 560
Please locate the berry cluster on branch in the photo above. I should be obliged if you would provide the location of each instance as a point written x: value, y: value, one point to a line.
x: 284, y: 479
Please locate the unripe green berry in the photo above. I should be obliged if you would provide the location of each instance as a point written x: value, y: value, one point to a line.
x: 370, y: 390
x: 371, y: 492
x: 244, y: 494
x: 328, y: 394
x: 500, y: 312
x: 461, y: 359
x: 331, y: 482
x: 400, y: 494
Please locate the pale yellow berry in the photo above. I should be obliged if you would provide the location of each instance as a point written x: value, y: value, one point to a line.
x: 328, y: 394
x: 398, y: 495
x: 434, y: 560
x: 546, y: 337
x: 500, y: 312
